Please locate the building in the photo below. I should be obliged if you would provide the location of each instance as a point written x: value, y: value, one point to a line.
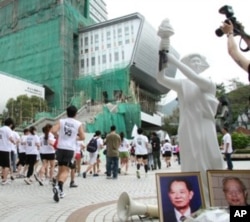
x: 40, y: 43
x: 12, y: 87
x: 118, y: 61
x: 60, y: 45
x: 98, y: 11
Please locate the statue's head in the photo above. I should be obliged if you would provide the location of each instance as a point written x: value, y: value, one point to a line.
x: 196, y: 62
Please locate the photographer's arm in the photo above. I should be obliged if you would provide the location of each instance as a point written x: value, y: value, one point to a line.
x: 233, y: 50
x: 235, y: 53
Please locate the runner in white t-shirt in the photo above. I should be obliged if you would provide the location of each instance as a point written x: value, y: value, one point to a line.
x: 32, y: 146
x: 47, y: 154
x: 6, y: 141
x: 93, y: 156
x: 21, y: 167
x: 141, y: 152
x: 67, y: 130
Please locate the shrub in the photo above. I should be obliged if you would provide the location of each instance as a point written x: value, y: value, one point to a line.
x: 240, y: 140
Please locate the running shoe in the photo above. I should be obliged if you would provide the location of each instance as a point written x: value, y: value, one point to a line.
x: 138, y: 174
x: 84, y: 174
x: 38, y: 179
x: 62, y: 195
x: 73, y: 185
x: 6, y: 182
x: 56, y: 193
x: 27, y: 181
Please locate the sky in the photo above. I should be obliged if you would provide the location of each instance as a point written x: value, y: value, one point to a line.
x: 194, y: 23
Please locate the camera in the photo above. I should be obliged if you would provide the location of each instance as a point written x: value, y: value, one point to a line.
x: 229, y: 13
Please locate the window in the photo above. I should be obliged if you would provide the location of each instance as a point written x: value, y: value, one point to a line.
x: 92, y: 61
x: 91, y: 39
x: 123, y: 55
x: 127, y: 41
x: 87, y: 62
x: 110, y: 57
x: 126, y: 30
x: 108, y: 35
x: 119, y: 32
x: 82, y: 63
x: 104, y: 59
x: 96, y: 38
x: 116, y: 56
x: 86, y: 41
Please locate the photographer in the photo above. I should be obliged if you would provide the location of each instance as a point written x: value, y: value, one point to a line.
x: 233, y: 50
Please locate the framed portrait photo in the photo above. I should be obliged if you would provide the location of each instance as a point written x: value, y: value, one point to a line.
x: 179, y: 195
x: 228, y: 187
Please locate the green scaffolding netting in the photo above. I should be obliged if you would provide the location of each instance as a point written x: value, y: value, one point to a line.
x: 124, y: 119
x: 111, y: 85
x: 38, y: 41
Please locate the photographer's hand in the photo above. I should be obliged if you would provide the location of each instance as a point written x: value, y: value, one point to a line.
x: 227, y: 28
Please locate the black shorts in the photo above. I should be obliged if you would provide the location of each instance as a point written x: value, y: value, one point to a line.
x: 167, y: 154
x: 5, y: 159
x: 47, y: 156
x: 144, y: 157
x: 72, y: 165
x: 22, y: 158
x: 64, y: 157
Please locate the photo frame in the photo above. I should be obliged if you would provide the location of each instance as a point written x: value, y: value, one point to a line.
x: 217, y: 195
x: 165, y: 196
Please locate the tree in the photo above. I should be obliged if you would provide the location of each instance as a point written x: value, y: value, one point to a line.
x: 220, y: 90
x: 24, y: 108
x: 239, y: 100
x: 171, y: 123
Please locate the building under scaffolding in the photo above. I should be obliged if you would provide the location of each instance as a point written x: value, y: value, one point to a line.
x: 57, y: 44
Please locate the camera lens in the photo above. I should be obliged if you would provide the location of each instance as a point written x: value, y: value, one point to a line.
x: 219, y: 32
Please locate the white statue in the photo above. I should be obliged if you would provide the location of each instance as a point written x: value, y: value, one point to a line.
x: 199, y: 148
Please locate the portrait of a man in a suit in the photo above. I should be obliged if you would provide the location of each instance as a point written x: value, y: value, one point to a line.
x: 183, y: 199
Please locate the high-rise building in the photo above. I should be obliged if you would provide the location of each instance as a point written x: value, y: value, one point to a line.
x: 97, y: 10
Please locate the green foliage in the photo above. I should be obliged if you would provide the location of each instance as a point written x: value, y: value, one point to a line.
x: 240, y: 140
x: 219, y: 137
x: 239, y: 99
x: 171, y: 123
x: 24, y: 108
x: 220, y: 90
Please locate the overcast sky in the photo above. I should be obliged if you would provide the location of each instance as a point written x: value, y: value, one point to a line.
x: 194, y: 22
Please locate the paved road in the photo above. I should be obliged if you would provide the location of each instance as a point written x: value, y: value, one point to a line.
x: 24, y: 203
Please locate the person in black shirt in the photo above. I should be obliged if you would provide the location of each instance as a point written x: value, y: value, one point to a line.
x: 156, y: 150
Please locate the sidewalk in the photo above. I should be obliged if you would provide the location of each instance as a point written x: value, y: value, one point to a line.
x: 95, y: 199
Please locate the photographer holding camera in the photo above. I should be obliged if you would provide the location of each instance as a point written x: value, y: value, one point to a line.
x: 231, y: 27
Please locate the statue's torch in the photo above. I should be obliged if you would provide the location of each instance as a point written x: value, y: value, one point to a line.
x: 165, y: 31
